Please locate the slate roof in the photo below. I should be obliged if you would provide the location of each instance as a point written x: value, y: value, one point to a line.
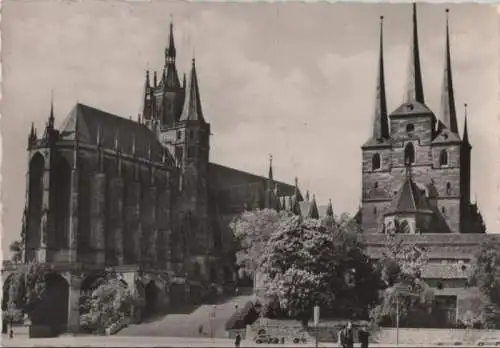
x: 409, y: 199
x: 410, y: 109
x: 445, y: 136
x: 92, y: 121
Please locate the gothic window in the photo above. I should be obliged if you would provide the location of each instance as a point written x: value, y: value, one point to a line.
x: 376, y: 161
x: 448, y: 188
x: 443, y: 210
x: 375, y: 185
x: 409, y: 153
x: 443, y: 158
x: 179, y: 134
x: 374, y: 210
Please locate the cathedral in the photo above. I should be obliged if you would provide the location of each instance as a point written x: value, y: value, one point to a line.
x: 416, y: 165
x: 138, y: 196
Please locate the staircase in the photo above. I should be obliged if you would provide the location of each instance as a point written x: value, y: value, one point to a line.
x: 187, y: 324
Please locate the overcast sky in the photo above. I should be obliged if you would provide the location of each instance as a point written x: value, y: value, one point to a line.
x: 293, y: 80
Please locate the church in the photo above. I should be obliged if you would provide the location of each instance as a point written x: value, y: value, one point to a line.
x: 138, y: 196
x: 416, y: 182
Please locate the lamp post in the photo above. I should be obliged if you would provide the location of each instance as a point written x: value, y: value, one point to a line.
x: 212, y: 318
x: 400, y: 290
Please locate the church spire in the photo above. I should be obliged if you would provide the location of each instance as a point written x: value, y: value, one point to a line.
x: 329, y: 209
x: 380, y: 124
x: 448, y: 113
x: 270, y: 175
x: 313, y: 209
x: 192, y: 105
x: 51, y: 116
x: 170, y: 52
x: 170, y: 76
x: 465, y: 137
x: 415, y: 89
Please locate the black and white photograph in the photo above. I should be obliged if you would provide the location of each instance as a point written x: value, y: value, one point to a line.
x: 250, y: 174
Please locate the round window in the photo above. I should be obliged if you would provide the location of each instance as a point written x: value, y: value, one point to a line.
x: 410, y: 127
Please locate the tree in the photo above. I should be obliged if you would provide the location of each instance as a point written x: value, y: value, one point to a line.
x: 109, y: 302
x: 26, y: 286
x: 251, y: 231
x: 400, y: 269
x: 486, y: 276
x: 306, y: 264
x: 17, y: 252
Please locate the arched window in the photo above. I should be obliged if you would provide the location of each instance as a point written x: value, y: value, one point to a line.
x: 448, y: 188
x: 409, y: 153
x: 376, y: 161
x: 443, y: 158
x: 374, y: 210
x: 375, y: 185
x: 443, y: 210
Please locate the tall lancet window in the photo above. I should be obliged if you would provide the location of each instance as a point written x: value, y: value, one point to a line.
x: 409, y: 153
x: 376, y: 161
x: 443, y: 158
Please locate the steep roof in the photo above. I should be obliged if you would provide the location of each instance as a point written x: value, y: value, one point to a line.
x: 192, y: 110
x: 409, y: 199
x: 414, y: 89
x: 94, y: 123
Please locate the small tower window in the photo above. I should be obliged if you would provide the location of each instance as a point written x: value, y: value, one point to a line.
x: 410, y: 127
x: 409, y: 153
x: 448, y: 188
x: 443, y: 210
x: 376, y: 161
x: 375, y: 184
x: 443, y: 158
x: 374, y: 210
x: 179, y: 134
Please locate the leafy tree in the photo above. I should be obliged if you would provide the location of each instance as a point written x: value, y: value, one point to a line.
x: 17, y: 252
x: 108, y: 303
x: 26, y: 286
x: 486, y: 276
x: 400, y: 268
x: 252, y: 230
x: 306, y: 264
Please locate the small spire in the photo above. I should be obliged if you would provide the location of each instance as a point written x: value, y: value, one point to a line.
x: 448, y: 113
x: 147, y: 79
x: 415, y: 90
x: 192, y: 110
x: 155, y: 79
x: 307, y: 196
x: 329, y: 209
x: 51, y: 116
x: 313, y: 209
x: 465, y: 137
x: 380, y: 122
x: 270, y: 175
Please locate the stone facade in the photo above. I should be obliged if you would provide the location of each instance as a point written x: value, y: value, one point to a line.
x: 137, y: 196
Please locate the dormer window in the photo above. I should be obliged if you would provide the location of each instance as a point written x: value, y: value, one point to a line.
x: 376, y: 161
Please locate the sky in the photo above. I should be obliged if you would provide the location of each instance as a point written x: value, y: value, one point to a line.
x: 294, y: 80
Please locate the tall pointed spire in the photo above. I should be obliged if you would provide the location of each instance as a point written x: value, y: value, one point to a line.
x: 192, y: 105
x: 313, y: 209
x: 448, y: 113
x: 380, y: 122
x: 415, y: 89
x: 170, y: 52
x: 170, y: 76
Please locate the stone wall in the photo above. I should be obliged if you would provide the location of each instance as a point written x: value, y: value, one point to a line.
x: 426, y: 337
